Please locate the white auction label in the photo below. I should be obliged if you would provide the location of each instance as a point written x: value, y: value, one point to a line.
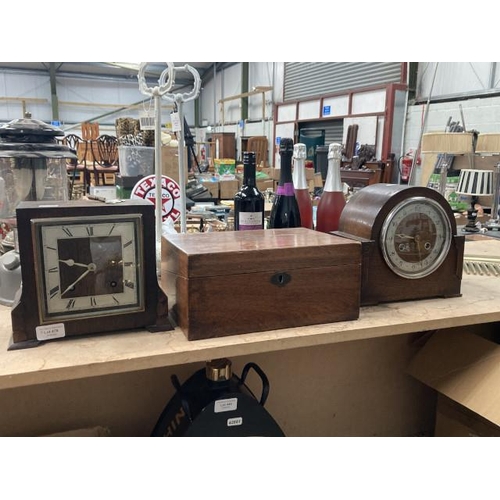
x: 147, y: 120
x: 233, y: 422
x: 176, y: 122
x: 49, y: 332
x: 225, y: 405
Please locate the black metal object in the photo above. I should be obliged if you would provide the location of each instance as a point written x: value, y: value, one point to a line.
x: 206, y: 408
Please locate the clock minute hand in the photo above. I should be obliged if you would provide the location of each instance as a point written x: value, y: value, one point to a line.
x: 90, y: 267
x: 71, y: 262
x: 405, y: 236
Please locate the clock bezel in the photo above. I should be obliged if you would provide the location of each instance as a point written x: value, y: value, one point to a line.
x: 445, y: 248
x: 37, y: 225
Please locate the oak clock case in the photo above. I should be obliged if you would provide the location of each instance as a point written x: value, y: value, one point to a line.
x: 410, y: 246
x: 87, y: 267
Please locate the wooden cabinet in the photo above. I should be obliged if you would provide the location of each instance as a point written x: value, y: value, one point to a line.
x: 223, y: 145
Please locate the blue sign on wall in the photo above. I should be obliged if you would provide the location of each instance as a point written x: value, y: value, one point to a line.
x: 327, y: 110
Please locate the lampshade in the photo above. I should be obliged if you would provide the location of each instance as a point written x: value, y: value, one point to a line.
x: 456, y: 143
x: 475, y: 182
x: 488, y: 143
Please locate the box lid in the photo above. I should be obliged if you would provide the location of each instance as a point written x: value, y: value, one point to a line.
x: 464, y: 367
x: 237, y: 252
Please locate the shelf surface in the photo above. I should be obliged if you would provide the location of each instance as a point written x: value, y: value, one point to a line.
x: 74, y: 358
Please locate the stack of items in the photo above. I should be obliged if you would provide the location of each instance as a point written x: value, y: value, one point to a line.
x: 136, y: 154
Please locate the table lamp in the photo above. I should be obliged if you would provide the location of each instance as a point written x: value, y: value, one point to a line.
x: 474, y: 183
x: 489, y: 145
x: 447, y: 145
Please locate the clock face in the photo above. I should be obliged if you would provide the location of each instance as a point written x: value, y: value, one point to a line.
x: 416, y: 237
x: 87, y: 267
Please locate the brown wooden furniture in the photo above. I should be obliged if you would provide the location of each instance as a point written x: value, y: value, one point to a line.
x: 242, y: 281
x: 78, y: 166
x: 258, y: 144
x: 90, y: 132
x: 227, y: 145
x: 361, y: 177
x: 105, y: 162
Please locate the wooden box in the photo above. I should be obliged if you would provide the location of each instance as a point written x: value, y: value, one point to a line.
x: 234, y: 282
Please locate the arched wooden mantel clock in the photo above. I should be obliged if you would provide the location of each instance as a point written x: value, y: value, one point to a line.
x: 87, y: 267
x: 410, y: 246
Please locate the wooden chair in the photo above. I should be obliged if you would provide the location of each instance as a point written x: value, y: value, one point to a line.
x: 73, y: 167
x: 258, y: 144
x: 106, y: 159
x: 90, y: 133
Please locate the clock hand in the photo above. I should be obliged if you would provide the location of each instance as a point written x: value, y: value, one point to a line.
x: 71, y: 262
x: 417, y: 241
x: 405, y: 236
x: 90, y: 267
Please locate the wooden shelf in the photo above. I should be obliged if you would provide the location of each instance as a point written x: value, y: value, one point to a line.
x: 92, y: 356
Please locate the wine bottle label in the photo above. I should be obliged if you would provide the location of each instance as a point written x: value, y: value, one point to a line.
x: 287, y: 189
x: 250, y: 220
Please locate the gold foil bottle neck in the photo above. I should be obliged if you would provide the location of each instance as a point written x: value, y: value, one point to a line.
x: 218, y: 370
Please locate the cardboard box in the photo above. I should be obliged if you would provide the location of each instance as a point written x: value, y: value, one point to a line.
x: 464, y: 369
x: 227, y: 189
x: 213, y: 188
x: 227, y: 283
x: 170, y: 163
x: 273, y: 173
x: 262, y: 185
x: 225, y: 168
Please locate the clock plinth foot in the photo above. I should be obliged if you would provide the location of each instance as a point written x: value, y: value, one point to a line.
x: 163, y: 322
x: 25, y: 344
x: 161, y: 326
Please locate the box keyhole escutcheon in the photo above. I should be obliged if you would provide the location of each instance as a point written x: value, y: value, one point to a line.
x: 280, y: 279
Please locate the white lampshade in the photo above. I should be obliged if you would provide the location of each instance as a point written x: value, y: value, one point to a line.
x: 475, y: 182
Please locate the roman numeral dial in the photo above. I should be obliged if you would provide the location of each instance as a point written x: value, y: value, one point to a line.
x: 90, y: 268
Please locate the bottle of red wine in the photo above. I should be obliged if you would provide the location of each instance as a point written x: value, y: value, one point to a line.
x: 248, y: 201
x: 332, y: 200
x: 301, y: 187
x: 285, y: 210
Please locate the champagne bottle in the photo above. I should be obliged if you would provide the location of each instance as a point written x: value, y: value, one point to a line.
x: 332, y: 200
x: 248, y: 201
x: 285, y: 210
x: 301, y: 187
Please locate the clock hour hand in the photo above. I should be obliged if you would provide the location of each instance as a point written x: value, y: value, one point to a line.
x: 90, y: 268
x: 71, y: 262
x: 405, y: 236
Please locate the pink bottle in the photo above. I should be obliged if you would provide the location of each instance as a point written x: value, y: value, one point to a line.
x: 332, y: 201
x: 300, y: 185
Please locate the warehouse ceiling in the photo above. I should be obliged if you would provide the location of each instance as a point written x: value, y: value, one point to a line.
x: 117, y: 70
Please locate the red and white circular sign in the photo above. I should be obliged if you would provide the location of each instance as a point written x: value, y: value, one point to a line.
x: 145, y: 189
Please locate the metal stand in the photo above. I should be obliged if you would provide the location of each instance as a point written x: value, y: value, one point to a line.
x: 166, y: 82
x: 494, y: 223
x: 471, y: 226
x: 180, y: 99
